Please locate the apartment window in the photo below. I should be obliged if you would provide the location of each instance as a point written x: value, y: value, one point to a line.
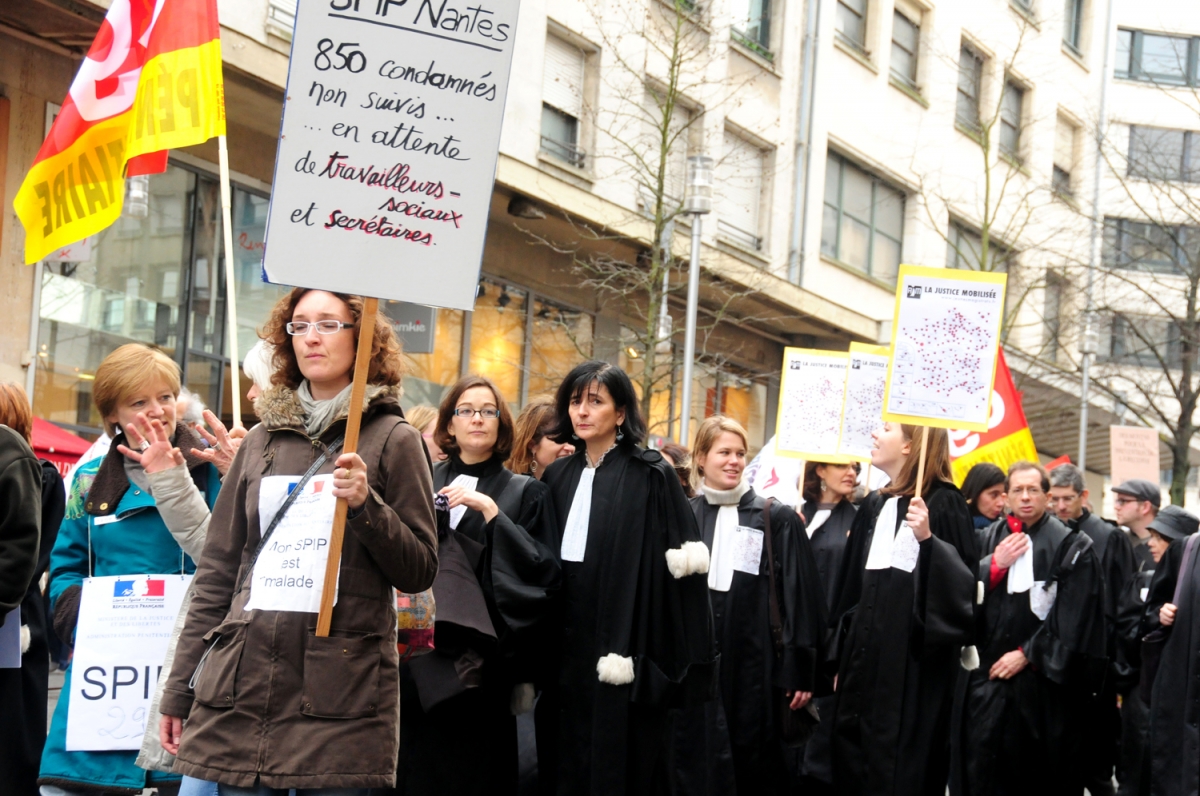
x: 1011, y: 107
x: 1157, y: 153
x: 740, y: 187
x: 1145, y: 246
x: 752, y: 25
x: 863, y: 223
x: 562, y: 101
x: 1152, y: 57
x: 964, y: 251
x: 1024, y: 5
x: 1142, y: 340
x: 1051, y: 315
x: 906, y: 36
x: 852, y: 23
x: 1064, y: 157
x: 677, y: 144
x: 970, y: 83
x: 281, y: 18
x: 1073, y: 26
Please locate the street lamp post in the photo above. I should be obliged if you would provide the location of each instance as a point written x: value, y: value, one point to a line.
x: 697, y: 203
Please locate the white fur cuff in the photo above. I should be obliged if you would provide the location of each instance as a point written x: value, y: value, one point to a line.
x: 522, y: 700
x: 689, y: 559
x: 25, y: 639
x: 970, y: 658
x: 615, y: 669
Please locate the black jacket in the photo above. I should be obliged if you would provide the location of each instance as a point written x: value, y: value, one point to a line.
x: 20, y: 517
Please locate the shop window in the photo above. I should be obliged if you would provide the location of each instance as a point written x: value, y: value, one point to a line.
x: 433, y: 370
x: 562, y: 339
x: 498, y: 337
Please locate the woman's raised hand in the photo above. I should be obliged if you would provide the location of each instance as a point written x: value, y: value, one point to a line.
x: 155, y: 452
x: 222, y: 444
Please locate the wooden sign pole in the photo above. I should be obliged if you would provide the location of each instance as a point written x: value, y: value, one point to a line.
x: 362, y: 363
x: 921, y: 461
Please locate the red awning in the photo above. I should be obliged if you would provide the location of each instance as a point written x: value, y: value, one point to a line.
x: 57, y: 441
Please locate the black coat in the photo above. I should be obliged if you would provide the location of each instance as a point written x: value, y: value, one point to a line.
x: 1024, y: 733
x: 829, y: 542
x: 23, y: 692
x: 1175, y: 699
x: 902, y: 632
x: 622, y: 600
x: 20, y: 517
x: 465, y: 741
x: 731, y: 745
x: 1115, y: 554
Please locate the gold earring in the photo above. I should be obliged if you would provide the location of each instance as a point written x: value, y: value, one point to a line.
x: 533, y: 467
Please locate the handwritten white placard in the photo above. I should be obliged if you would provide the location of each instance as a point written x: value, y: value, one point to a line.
x: 387, y: 153
x: 811, y: 397
x: 866, y: 378
x: 290, y: 571
x: 945, y: 337
x: 125, y: 622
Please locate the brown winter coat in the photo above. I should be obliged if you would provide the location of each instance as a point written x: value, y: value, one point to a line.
x: 273, y: 703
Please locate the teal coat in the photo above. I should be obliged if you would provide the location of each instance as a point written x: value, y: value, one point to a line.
x: 137, y: 543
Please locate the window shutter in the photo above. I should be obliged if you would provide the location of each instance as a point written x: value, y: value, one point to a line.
x: 562, y: 80
x: 740, y: 185
x: 1064, y: 146
x: 679, y: 134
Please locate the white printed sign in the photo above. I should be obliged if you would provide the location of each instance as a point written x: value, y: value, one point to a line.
x: 387, y: 154
x: 811, y: 397
x: 945, y: 336
x: 290, y: 571
x: 125, y: 622
x: 866, y: 379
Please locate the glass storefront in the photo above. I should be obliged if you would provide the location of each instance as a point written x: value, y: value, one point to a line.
x: 160, y: 279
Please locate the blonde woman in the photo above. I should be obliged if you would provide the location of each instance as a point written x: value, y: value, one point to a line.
x: 757, y: 671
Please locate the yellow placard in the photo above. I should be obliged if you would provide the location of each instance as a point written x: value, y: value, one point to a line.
x: 812, y: 394
x: 863, y: 406
x: 932, y: 349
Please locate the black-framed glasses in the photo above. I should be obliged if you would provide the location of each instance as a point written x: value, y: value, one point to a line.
x: 466, y: 413
x: 300, y: 328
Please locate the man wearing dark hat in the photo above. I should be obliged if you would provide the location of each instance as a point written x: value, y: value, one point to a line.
x: 1102, y: 729
x: 1174, y: 605
x: 1136, y: 503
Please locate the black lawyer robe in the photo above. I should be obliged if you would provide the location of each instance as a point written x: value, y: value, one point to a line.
x: 739, y: 727
x: 1175, y: 698
x: 902, y: 635
x: 466, y: 743
x: 829, y: 543
x: 622, y: 600
x: 1024, y: 735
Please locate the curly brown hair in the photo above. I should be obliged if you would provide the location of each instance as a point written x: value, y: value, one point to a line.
x: 504, y: 435
x: 387, y: 359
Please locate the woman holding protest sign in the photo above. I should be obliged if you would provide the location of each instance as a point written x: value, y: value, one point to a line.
x: 497, y: 576
x: 114, y: 525
x: 635, y: 634
x: 268, y: 704
x: 903, y: 610
x: 770, y: 616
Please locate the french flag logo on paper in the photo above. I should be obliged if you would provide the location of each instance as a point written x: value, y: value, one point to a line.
x: 155, y: 587
x: 123, y: 588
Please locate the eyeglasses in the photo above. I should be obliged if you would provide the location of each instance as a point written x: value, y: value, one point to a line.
x: 1032, y: 491
x: 466, y: 413
x: 1121, y: 501
x: 300, y: 328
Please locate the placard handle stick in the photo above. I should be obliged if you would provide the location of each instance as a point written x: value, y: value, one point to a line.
x: 362, y: 363
x: 235, y: 365
x: 921, y: 461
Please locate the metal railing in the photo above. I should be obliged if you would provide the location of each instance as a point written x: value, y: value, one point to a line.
x: 564, y: 151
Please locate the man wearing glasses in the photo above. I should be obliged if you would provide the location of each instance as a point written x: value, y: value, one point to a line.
x: 1136, y: 504
x: 1041, y: 642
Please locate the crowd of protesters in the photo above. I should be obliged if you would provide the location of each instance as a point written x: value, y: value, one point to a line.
x: 607, y: 618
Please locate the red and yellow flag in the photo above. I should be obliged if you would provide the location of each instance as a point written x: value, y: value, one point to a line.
x: 1007, y: 439
x: 150, y: 82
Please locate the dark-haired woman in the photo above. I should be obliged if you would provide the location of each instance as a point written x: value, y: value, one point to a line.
x: 498, y: 573
x: 903, y: 608
x: 983, y: 489
x: 828, y: 514
x: 636, y: 634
